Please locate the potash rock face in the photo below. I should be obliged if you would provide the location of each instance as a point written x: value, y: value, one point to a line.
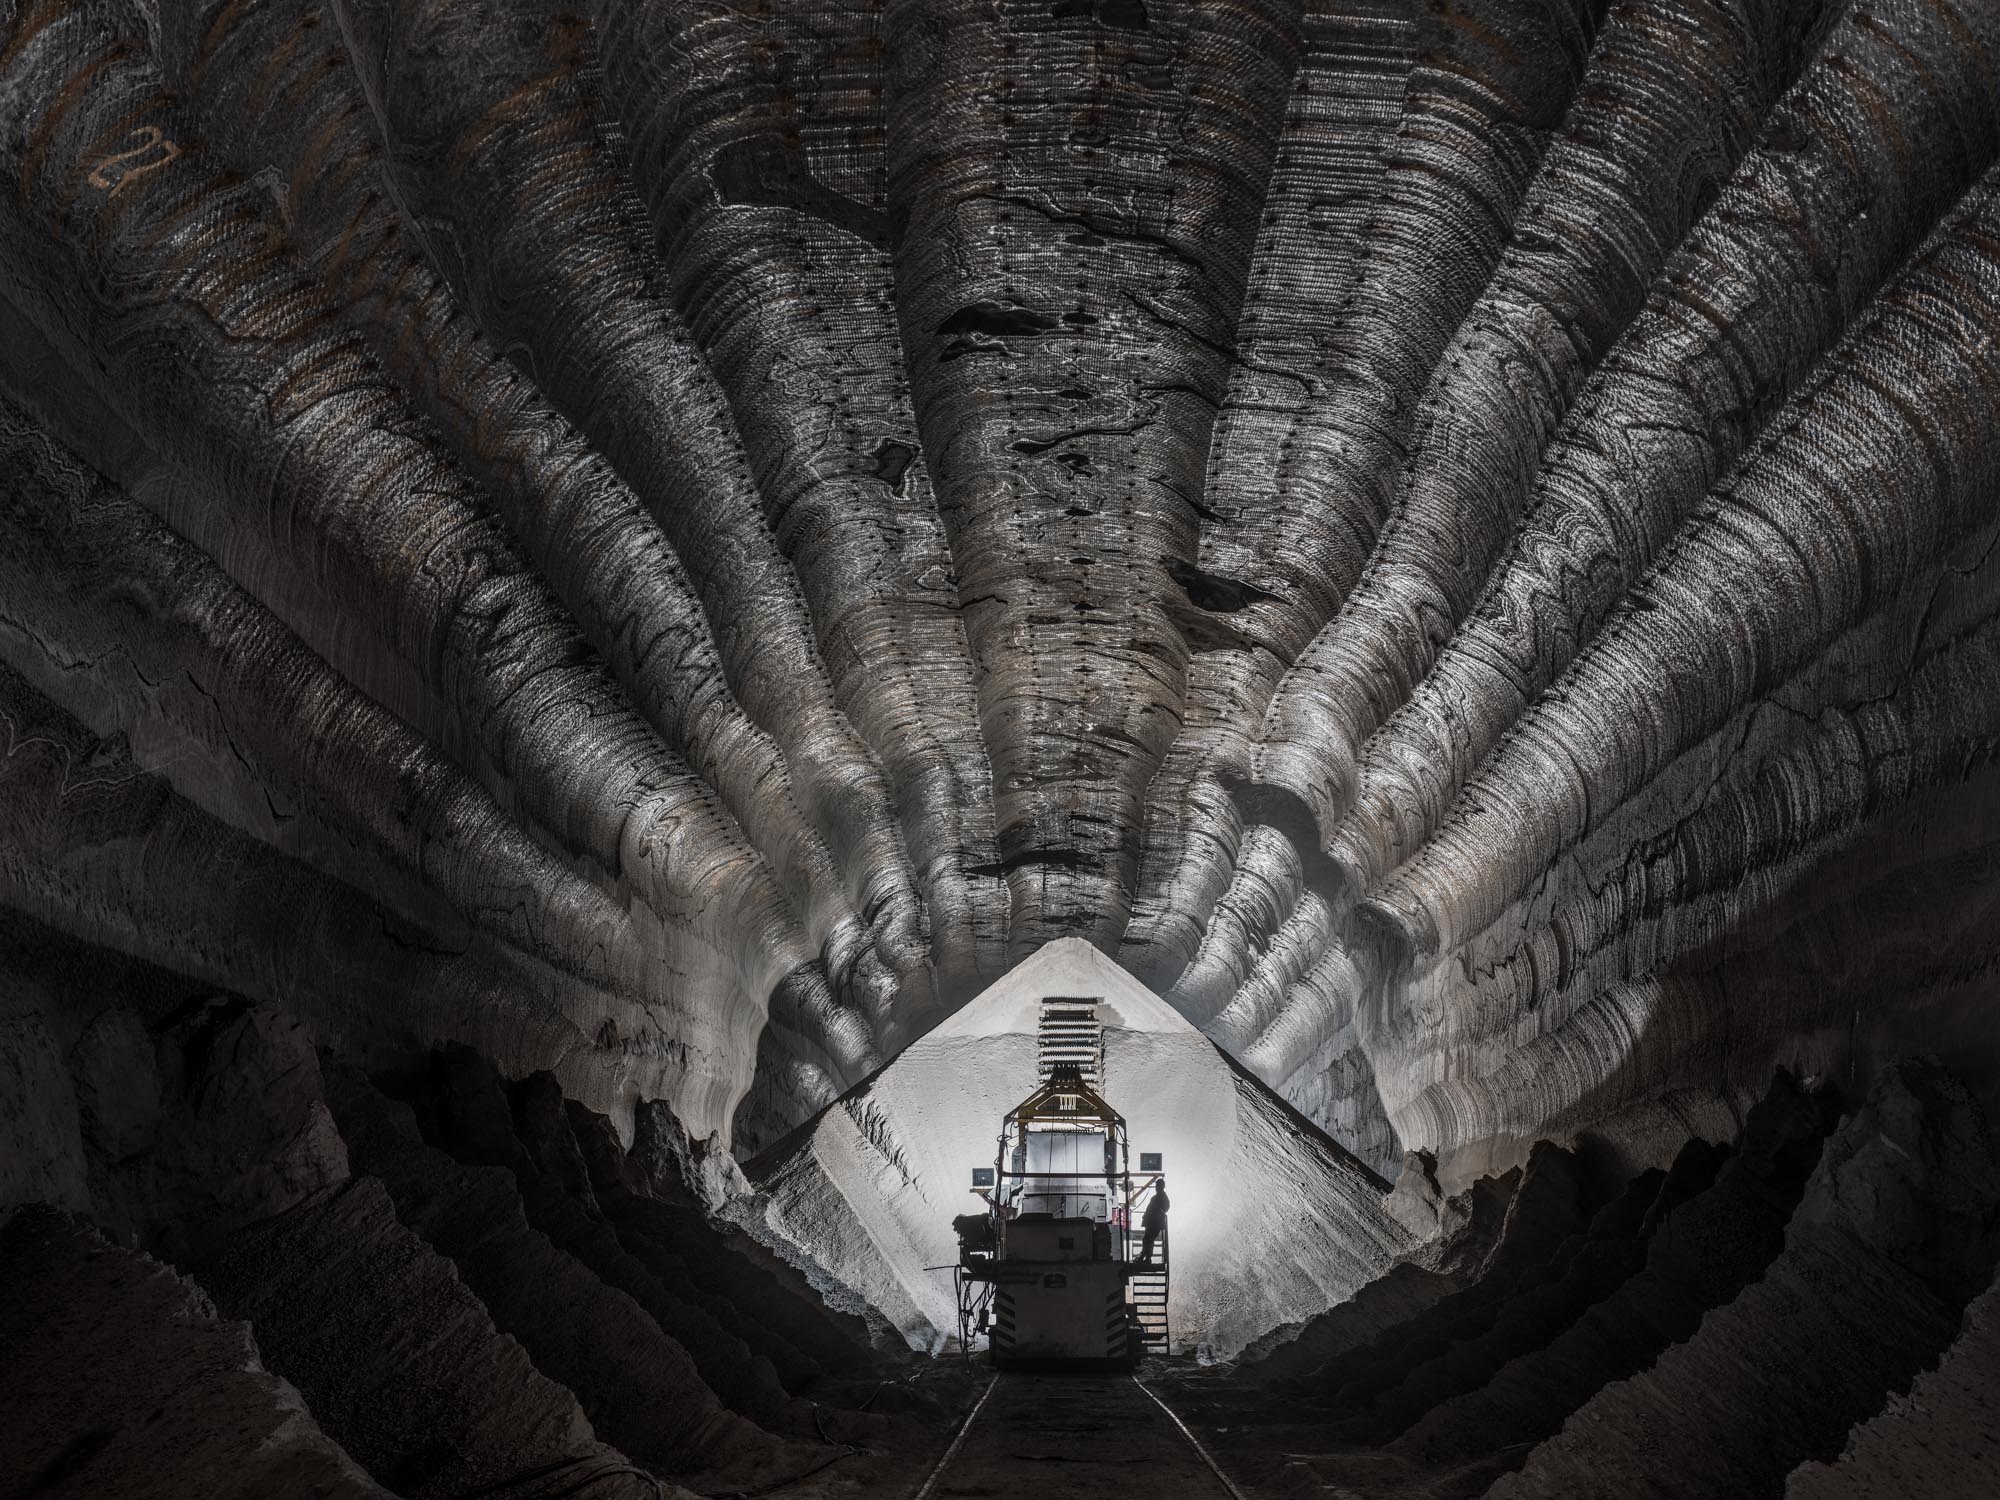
x: 673, y: 545
x: 574, y: 581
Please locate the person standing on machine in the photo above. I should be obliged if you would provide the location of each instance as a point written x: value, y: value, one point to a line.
x: 1155, y: 1222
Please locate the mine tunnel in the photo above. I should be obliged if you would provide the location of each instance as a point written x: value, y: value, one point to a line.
x: 925, y: 748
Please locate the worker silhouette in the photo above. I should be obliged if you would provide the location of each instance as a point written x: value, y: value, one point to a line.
x: 1155, y: 1222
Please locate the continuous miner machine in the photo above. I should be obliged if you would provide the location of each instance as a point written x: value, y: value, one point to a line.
x: 1047, y: 1273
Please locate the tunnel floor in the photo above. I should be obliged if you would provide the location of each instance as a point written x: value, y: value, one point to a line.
x: 1066, y: 1437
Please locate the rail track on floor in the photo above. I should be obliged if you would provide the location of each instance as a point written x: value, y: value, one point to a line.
x: 1065, y: 1437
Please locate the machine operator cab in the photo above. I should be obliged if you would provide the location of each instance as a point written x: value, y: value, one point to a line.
x: 1046, y: 1271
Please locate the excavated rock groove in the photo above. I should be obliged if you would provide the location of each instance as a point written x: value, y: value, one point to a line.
x: 1700, y: 1255
x: 96, y: 846
x: 646, y: 1195
x: 499, y: 154
x: 1744, y: 310
x: 1545, y: 1324
x: 742, y: 1381
x: 1940, y: 1440
x: 1583, y: 1271
x: 1277, y: 438
x: 399, y: 1361
x: 113, y: 614
x: 226, y: 1124
x: 771, y: 1319
x: 375, y: 547
x: 1433, y: 1271
x: 1069, y: 266
x: 41, y: 1148
x: 1840, y: 436
x: 305, y: 116
x: 760, y: 150
x: 117, y: 1379
x: 1544, y: 1215
x: 1672, y: 101
x: 1900, y: 1219
x: 636, y: 1385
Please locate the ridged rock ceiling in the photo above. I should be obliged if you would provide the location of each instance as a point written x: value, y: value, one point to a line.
x: 675, y: 542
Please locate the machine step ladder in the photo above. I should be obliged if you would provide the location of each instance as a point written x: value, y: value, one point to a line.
x: 1147, y: 1290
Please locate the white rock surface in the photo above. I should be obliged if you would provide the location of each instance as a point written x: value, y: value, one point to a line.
x: 1272, y: 1221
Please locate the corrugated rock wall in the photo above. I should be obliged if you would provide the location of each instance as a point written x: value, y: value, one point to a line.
x: 671, y: 545
x: 273, y: 1274
x: 1802, y: 1311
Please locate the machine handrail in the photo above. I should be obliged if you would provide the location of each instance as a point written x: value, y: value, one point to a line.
x: 1107, y: 1176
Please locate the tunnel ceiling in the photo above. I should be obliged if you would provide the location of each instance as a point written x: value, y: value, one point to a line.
x: 676, y: 542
